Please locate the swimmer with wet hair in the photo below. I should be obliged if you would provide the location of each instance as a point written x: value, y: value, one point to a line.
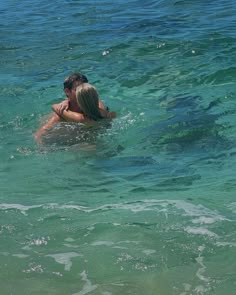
x: 69, y: 104
x: 87, y: 100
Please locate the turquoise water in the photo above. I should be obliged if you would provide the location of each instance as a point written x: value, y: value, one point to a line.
x: 147, y: 205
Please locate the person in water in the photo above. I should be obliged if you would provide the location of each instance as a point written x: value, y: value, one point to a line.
x: 69, y: 104
x: 70, y: 84
x: 87, y: 100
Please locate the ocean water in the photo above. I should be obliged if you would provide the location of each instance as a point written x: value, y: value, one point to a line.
x: 146, y: 205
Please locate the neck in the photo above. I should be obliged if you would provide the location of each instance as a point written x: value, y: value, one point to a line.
x: 73, y: 106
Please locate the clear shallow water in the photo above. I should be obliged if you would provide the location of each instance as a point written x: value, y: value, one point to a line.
x: 146, y: 206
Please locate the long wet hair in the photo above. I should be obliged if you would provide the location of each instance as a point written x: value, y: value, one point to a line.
x: 88, y: 101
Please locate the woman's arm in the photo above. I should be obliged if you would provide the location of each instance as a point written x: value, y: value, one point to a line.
x: 69, y: 115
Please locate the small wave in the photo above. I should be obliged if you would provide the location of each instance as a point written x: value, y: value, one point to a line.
x: 203, y: 215
x: 207, y: 220
x: 21, y: 208
x: 200, y: 231
x: 57, y: 206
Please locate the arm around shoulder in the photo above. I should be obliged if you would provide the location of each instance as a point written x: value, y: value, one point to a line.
x: 69, y: 115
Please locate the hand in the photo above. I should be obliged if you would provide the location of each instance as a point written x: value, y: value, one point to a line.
x: 111, y: 115
x: 108, y: 115
x: 61, y: 107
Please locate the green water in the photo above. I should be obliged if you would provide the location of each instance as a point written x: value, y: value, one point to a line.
x: 146, y: 205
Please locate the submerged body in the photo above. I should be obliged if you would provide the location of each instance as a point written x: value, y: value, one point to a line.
x: 67, y: 109
x: 87, y: 109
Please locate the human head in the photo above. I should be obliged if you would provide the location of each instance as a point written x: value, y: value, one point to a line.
x: 71, y: 82
x: 88, y: 101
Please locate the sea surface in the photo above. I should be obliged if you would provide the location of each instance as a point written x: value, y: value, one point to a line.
x: 145, y: 205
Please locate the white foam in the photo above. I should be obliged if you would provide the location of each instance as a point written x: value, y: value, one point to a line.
x: 34, y: 268
x: 20, y: 255
x: 187, y: 287
x: 129, y: 242
x: 120, y: 247
x: 194, y: 210
x: 57, y: 274
x: 102, y: 243
x: 232, y: 207
x: 205, y: 215
x: 69, y: 240
x: 200, y: 289
x: 64, y: 258
x: 200, y: 231
x: 149, y: 251
x: 27, y: 248
x: 201, y: 248
x: 207, y: 220
x: 223, y: 244
x: 105, y: 52
x: 132, y: 207
x: 202, y: 214
x: 57, y: 206
x: 88, y: 287
x: 70, y: 246
x: 201, y: 270
x: 40, y: 241
x: 21, y: 208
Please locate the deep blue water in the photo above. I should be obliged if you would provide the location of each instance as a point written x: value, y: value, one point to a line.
x: 147, y: 204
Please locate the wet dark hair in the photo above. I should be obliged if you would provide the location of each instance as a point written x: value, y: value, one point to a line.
x: 69, y: 81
